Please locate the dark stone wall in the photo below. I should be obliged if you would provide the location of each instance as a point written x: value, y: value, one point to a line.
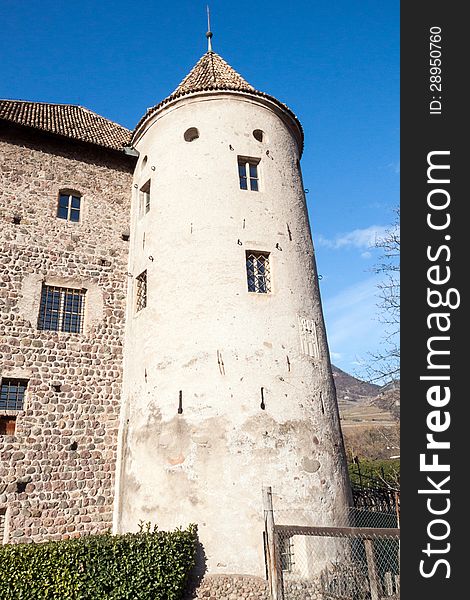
x: 57, y: 470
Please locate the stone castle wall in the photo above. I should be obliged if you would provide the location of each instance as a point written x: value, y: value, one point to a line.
x: 57, y: 470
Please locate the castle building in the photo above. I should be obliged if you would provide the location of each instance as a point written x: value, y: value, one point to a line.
x: 163, y: 350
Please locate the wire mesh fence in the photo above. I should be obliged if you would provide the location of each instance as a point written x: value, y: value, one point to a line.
x: 338, y: 563
x: 356, y: 559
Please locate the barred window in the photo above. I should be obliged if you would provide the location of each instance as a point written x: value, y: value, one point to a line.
x: 61, y: 309
x: 12, y: 393
x: 248, y: 173
x: 3, y: 516
x: 69, y: 206
x: 145, y: 198
x: 257, y: 270
x: 286, y: 553
x: 141, y: 291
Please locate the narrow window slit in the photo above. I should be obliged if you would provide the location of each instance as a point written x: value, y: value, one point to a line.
x: 262, y: 405
x: 288, y: 363
x: 289, y: 233
x: 220, y: 362
x: 141, y: 291
x: 322, y: 405
x: 180, y: 403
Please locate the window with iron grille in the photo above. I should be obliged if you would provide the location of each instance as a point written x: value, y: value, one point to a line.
x: 141, y: 291
x: 12, y: 393
x: 61, y: 309
x: 257, y: 271
x: 248, y: 173
x: 69, y: 206
x: 145, y: 198
x: 3, y: 517
x: 286, y: 553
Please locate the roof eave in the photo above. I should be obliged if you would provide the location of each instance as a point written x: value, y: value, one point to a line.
x: 174, y: 98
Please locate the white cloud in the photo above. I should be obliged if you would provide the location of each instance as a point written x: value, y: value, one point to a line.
x: 358, y: 238
x: 336, y: 355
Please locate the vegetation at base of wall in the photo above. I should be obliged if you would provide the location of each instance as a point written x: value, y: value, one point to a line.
x: 372, y: 473
x: 150, y: 565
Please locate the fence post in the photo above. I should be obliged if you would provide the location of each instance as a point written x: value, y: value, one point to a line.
x: 275, y: 586
x: 372, y: 569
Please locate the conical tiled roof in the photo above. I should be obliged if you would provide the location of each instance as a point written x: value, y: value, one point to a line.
x: 211, y: 72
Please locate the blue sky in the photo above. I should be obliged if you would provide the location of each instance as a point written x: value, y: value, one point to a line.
x: 335, y: 64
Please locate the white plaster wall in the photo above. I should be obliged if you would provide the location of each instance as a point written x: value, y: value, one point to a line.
x: 208, y: 464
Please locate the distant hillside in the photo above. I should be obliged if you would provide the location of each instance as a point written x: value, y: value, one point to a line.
x: 388, y: 399
x: 352, y: 389
x: 370, y: 416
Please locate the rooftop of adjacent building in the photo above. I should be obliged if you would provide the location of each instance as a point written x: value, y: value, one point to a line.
x: 66, y: 120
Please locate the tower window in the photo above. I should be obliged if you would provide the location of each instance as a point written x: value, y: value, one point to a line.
x: 286, y: 553
x: 141, y: 291
x: 257, y: 271
x: 61, y: 309
x: 248, y: 173
x: 69, y: 206
x: 145, y: 198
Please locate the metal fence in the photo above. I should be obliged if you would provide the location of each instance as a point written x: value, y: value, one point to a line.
x: 358, y: 560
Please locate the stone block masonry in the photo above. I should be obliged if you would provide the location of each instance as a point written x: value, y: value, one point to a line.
x: 57, y: 469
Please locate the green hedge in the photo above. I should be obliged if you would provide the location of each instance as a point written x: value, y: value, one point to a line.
x: 150, y: 565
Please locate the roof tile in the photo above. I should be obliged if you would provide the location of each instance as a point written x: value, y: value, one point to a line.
x: 211, y: 72
x: 75, y: 122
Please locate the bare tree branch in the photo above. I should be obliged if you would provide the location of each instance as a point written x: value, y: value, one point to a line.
x: 385, y: 364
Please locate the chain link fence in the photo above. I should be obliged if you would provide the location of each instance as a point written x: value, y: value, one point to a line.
x: 357, y: 559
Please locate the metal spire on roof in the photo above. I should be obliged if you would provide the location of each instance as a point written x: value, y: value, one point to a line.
x: 209, y: 32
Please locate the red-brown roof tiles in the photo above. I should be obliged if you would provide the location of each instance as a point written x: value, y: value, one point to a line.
x: 75, y: 122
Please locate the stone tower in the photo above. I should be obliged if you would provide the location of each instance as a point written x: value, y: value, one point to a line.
x: 227, y: 382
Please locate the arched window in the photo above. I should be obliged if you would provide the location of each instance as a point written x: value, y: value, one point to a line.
x: 69, y: 206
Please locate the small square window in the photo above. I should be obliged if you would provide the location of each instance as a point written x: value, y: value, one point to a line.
x: 69, y: 207
x: 141, y: 291
x: 61, y: 309
x: 12, y: 393
x: 144, y: 199
x: 258, y: 272
x: 248, y: 173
